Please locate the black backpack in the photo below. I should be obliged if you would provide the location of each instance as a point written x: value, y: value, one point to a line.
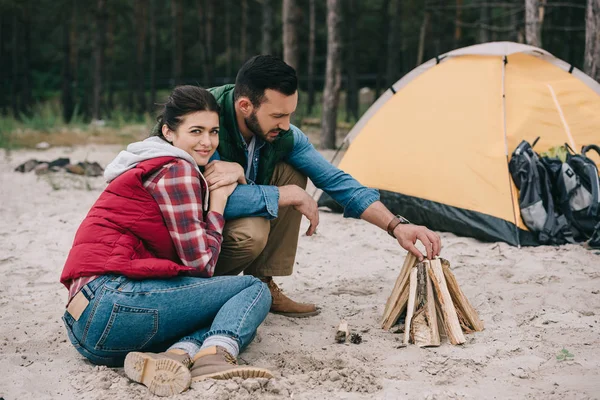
x: 536, y: 198
x: 576, y: 189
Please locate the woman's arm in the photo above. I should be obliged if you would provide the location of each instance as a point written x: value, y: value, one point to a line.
x: 179, y: 193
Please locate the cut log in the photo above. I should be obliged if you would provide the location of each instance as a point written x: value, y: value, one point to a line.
x: 399, y: 297
x: 410, y: 309
x: 424, y: 324
x: 464, y: 309
x: 342, y: 332
x: 449, y: 317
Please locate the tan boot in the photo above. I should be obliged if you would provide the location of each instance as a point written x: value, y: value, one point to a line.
x: 285, y: 306
x: 216, y: 363
x: 165, y: 374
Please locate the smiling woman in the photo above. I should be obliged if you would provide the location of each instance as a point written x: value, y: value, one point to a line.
x: 140, y: 272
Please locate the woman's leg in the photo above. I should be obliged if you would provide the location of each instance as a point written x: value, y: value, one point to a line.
x: 124, y: 315
x: 234, y: 326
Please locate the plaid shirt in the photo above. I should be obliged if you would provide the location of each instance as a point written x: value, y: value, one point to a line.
x: 182, y: 195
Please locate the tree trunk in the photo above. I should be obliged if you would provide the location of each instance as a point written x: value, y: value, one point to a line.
x: 141, y: 17
x: 533, y: 31
x: 458, y: 24
x: 351, y: 62
x: 68, y: 103
x: 74, y: 56
x: 3, y: 69
x: 201, y: 8
x: 592, y: 39
x: 331, y: 93
x: 110, y: 65
x: 393, y: 46
x: 228, y: 41
x: 383, y: 38
x: 177, y: 37
x: 152, y: 53
x: 209, y: 35
x: 15, y: 81
x: 267, y: 23
x: 422, y: 37
x: 27, y: 99
x: 311, y: 56
x: 99, y: 36
x: 484, y: 21
x: 244, y: 32
x: 292, y: 18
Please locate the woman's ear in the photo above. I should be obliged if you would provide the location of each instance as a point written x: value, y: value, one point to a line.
x: 167, y: 133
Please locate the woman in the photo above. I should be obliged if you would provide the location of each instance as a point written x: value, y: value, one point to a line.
x: 140, y: 270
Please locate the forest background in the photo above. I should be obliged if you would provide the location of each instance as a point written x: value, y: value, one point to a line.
x: 75, y: 72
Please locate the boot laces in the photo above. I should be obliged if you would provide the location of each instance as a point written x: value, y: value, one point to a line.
x: 229, y: 358
x: 274, y: 288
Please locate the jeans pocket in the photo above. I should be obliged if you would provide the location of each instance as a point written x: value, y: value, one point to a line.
x: 128, y: 329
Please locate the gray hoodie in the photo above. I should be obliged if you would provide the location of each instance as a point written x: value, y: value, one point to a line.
x: 147, y: 149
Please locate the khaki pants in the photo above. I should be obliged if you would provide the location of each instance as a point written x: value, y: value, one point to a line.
x: 261, y: 247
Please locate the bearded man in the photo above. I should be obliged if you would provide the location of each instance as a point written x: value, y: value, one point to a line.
x: 271, y: 160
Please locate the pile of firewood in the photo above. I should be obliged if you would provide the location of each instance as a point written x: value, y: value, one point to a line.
x: 429, y: 294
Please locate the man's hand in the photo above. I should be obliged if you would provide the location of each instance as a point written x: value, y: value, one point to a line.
x: 292, y: 195
x: 222, y: 173
x: 407, y: 236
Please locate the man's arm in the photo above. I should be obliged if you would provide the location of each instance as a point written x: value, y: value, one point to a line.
x: 406, y: 235
x: 347, y: 191
x: 357, y: 200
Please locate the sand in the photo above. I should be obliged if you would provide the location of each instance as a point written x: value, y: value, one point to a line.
x: 534, y: 303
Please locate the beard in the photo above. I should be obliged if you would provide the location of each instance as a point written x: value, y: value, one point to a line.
x: 254, y: 127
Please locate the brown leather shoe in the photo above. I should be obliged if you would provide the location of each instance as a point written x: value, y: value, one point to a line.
x: 285, y: 306
x: 216, y: 363
x: 165, y: 374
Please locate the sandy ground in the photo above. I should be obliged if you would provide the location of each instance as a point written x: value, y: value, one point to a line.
x: 534, y: 302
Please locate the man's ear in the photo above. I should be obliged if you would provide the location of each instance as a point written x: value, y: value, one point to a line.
x: 245, y: 105
x: 167, y: 133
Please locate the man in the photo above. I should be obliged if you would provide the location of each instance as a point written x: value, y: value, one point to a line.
x: 271, y: 159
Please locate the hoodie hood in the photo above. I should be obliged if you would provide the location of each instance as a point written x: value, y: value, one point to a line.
x: 147, y: 149
x: 137, y: 152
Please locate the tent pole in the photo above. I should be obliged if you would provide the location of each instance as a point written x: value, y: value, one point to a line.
x: 512, y: 195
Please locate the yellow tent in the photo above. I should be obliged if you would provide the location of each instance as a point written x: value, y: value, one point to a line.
x: 437, y: 143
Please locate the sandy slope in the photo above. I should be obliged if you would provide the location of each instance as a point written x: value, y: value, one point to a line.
x: 534, y: 302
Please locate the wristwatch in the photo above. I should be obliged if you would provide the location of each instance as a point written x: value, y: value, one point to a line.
x: 397, y: 220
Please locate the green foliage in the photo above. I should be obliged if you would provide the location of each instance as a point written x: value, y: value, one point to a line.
x: 564, y: 355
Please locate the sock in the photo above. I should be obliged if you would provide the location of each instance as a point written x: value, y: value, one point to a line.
x: 228, y: 343
x: 189, y: 347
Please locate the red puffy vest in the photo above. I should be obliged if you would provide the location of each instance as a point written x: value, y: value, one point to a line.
x: 124, y: 233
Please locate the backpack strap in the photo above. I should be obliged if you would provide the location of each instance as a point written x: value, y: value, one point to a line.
x: 592, y: 171
x: 594, y: 147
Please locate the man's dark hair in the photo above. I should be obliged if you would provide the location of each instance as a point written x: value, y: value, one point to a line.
x: 261, y: 73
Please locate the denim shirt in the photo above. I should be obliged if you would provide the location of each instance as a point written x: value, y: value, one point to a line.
x: 263, y: 200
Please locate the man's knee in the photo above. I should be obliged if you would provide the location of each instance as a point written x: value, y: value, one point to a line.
x: 246, y: 236
x: 285, y: 174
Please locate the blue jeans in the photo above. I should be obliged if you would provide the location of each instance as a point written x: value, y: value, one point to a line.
x: 125, y: 315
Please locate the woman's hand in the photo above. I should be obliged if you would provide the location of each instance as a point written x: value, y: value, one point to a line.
x: 222, y: 173
x: 218, y: 197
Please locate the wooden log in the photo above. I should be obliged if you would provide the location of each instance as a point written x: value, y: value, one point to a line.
x: 342, y: 332
x: 464, y: 309
x: 399, y: 297
x: 410, y: 309
x: 450, y: 319
x: 424, y: 325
